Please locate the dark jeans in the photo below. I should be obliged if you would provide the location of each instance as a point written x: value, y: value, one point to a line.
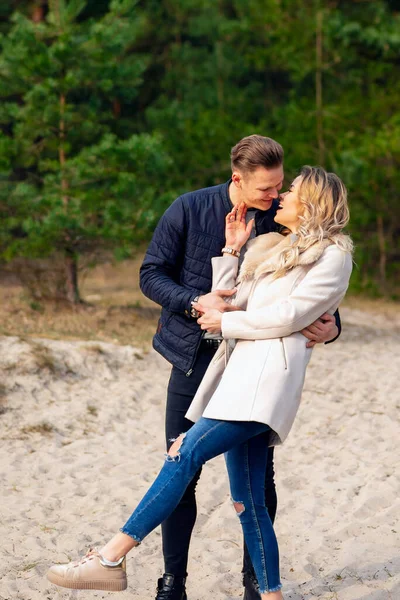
x: 177, y: 529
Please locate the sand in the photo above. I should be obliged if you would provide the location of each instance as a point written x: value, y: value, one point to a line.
x: 81, y: 428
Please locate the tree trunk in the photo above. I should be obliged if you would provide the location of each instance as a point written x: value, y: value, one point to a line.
x: 220, y: 79
x: 38, y: 13
x: 116, y: 104
x: 71, y: 274
x: 318, y: 89
x: 61, y: 151
x: 71, y: 260
x: 382, y: 253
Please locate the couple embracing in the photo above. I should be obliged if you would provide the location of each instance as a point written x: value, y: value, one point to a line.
x: 249, y: 280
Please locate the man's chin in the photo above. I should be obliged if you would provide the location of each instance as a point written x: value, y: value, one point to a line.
x: 265, y: 205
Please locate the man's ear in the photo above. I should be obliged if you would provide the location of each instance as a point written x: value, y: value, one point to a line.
x: 237, y: 178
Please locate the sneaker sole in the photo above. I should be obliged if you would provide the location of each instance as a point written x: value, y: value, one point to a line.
x: 105, y: 586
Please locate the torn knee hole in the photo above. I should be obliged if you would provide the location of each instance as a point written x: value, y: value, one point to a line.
x: 174, y: 452
x: 239, y: 507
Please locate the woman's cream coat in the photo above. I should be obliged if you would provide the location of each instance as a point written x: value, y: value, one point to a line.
x: 264, y: 376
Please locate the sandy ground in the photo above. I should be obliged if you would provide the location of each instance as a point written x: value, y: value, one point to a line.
x: 81, y: 428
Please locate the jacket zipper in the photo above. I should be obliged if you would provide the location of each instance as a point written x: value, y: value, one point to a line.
x: 188, y: 374
x: 283, y: 352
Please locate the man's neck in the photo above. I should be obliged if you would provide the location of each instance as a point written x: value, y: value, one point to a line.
x: 234, y: 196
x: 233, y: 193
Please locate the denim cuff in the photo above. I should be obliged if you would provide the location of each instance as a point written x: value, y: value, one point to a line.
x: 132, y: 535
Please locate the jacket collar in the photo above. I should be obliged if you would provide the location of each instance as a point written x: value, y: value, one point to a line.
x: 225, y: 196
x: 263, y: 253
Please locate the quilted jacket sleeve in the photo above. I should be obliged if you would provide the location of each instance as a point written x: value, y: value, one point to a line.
x: 321, y: 290
x: 159, y: 273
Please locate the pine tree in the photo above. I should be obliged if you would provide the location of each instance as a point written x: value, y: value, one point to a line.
x: 70, y: 179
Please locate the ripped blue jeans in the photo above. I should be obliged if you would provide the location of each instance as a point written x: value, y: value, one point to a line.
x: 245, y: 445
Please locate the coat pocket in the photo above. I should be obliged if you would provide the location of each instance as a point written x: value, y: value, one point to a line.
x: 284, y: 353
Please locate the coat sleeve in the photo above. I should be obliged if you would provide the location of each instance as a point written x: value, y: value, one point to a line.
x: 159, y: 273
x: 224, y: 272
x: 321, y: 290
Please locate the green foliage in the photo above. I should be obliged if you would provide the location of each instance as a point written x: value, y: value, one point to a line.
x: 110, y: 106
x: 69, y: 179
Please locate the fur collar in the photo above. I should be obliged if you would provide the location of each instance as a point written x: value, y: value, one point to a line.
x: 263, y: 252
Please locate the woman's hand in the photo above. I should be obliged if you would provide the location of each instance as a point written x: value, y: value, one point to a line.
x: 211, y: 321
x: 236, y: 231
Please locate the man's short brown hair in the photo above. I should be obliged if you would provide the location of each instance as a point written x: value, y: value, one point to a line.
x: 256, y: 151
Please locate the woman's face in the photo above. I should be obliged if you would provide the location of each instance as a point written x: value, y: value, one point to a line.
x: 290, y: 207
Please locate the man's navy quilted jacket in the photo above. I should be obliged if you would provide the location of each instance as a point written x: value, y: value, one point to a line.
x: 177, y: 266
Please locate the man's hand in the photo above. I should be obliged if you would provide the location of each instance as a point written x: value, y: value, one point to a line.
x: 215, y: 300
x: 211, y: 321
x: 322, y: 330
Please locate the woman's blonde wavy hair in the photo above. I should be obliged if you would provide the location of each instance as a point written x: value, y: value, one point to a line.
x: 325, y: 214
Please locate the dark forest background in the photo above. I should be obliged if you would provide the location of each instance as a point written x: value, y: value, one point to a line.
x: 110, y: 109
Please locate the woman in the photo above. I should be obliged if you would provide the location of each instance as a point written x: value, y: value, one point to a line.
x: 249, y: 400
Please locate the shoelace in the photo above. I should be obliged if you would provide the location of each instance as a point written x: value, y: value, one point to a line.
x: 89, y: 553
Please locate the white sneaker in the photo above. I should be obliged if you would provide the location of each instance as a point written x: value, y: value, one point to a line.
x: 90, y: 573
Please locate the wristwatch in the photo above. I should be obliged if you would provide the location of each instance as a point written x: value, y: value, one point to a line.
x: 231, y: 251
x: 193, y: 312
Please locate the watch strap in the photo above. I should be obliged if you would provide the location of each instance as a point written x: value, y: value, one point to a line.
x: 231, y: 251
x: 193, y: 312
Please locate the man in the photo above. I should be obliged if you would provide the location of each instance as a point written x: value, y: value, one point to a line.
x: 176, y: 272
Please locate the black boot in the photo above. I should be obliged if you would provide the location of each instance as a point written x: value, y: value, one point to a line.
x: 171, y: 587
x: 250, y: 587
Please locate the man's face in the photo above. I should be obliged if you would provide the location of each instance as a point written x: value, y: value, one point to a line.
x: 259, y: 188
